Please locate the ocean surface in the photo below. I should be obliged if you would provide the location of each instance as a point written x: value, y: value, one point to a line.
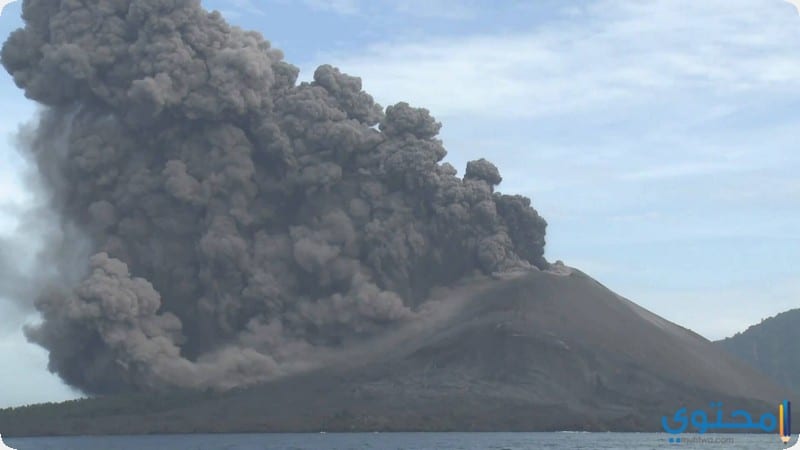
x: 404, y: 441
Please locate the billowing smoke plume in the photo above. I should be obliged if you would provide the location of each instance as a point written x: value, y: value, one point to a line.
x: 236, y: 218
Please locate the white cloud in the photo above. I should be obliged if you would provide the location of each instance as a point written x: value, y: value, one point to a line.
x: 681, y: 170
x: 236, y: 9
x: 438, y: 9
x: 795, y: 3
x: 247, y: 6
x: 344, y: 7
x: 4, y: 3
x: 13, y: 193
x: 607, y: 54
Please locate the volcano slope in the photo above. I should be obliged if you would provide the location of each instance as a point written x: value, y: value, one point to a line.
x: 535, y: 350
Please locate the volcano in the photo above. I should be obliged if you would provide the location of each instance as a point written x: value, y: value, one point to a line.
x: 528, y: 351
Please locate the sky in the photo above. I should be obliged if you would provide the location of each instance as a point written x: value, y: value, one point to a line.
x: 657, y: 138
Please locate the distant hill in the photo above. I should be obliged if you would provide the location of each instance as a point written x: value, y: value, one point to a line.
x: 772, y: 347
x: 539, y: 351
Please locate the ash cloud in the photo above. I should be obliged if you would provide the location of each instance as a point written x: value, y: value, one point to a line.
x: 237, y: 219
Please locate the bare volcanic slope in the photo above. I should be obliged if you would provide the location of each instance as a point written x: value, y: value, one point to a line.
x: 539, y: 350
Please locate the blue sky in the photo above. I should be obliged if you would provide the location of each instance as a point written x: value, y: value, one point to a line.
x: 657, y: 138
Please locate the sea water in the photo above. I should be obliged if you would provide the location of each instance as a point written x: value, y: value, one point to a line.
x: 404, y: 441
